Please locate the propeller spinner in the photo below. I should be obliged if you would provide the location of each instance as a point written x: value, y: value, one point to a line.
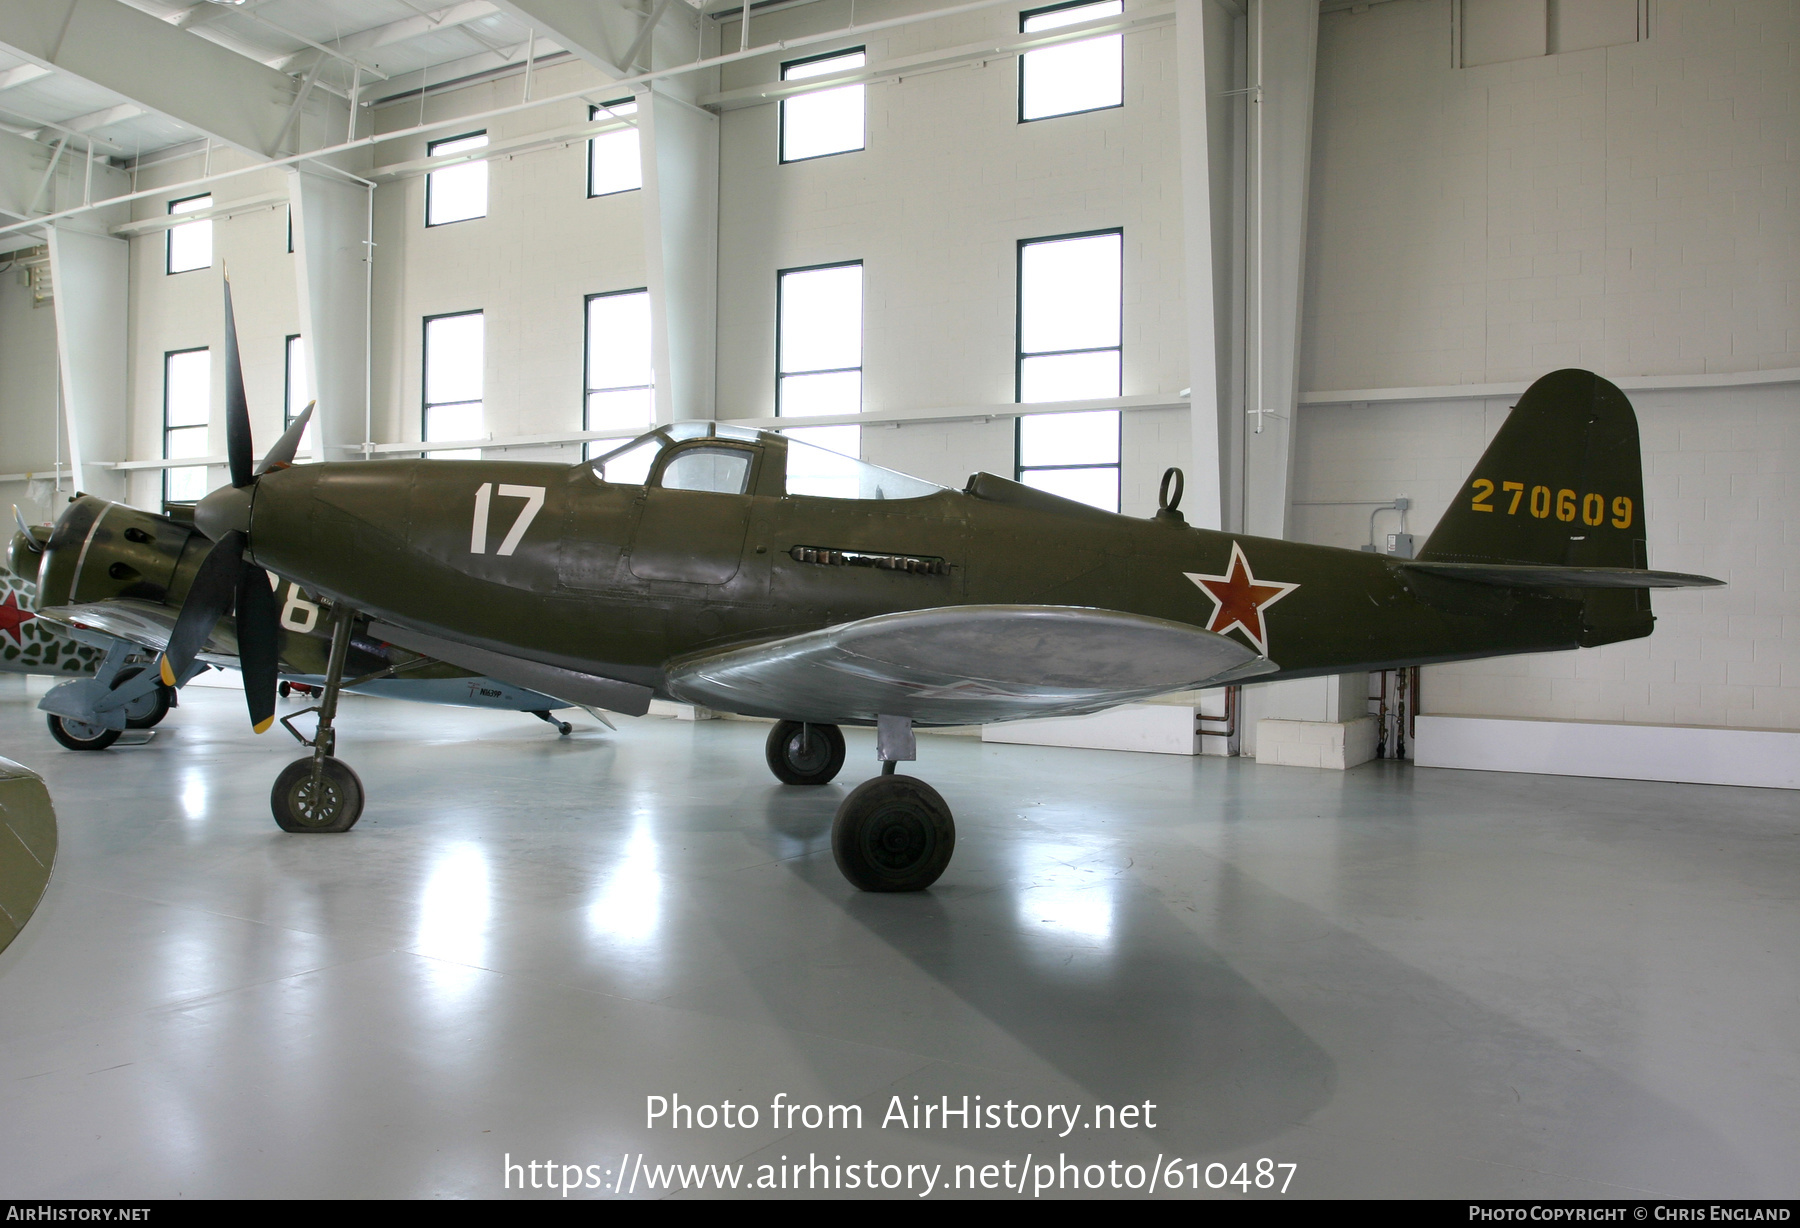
x: 227, y: 579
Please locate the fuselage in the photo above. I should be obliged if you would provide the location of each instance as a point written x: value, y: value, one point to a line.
x: 555, y: 564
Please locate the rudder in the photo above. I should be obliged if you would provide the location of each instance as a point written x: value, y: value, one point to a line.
x: 1561, y: 484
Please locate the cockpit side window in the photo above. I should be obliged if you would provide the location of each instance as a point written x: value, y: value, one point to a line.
x: 723, y: 470
x: 630, y: 465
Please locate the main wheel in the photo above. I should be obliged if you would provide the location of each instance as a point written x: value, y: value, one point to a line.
x: 805, y: 754
x: 79, y: 735
x: 893, y: 833
x: 148, y: 709
x: 332, y: 803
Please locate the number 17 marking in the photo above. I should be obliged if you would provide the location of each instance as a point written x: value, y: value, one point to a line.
x: 534, y: 502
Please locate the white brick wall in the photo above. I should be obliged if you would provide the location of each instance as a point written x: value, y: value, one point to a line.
x: 1628, y: 209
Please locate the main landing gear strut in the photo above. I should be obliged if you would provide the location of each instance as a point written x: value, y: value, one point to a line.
x: 892, y: 833
x: 320, y: 793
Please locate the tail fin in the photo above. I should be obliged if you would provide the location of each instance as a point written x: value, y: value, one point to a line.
x: 1562, y: 484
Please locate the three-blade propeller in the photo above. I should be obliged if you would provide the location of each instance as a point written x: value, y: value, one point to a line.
x: 226, y: 579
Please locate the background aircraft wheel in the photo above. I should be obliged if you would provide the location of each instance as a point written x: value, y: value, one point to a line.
x: 284, y: 690
x: 79, y: 735
x: 805, y: 754
x: 893, y: 833
x: 147, y: 710
x: 334, y: 805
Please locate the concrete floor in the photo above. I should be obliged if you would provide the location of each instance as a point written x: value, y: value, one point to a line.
x: 1405, y: 982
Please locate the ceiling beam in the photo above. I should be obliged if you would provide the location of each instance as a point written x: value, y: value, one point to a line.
x: 375, y: 37
x: 227, y: 96
x: 594, y: 30
x: 21, y: 75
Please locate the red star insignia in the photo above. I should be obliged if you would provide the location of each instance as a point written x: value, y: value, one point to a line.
x: 13, y: 616
x: 1239, y: 599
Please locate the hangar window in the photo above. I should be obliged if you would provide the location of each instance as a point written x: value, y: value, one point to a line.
x: 190, y: 243
x: 621, y: 382
x: 454, y: 350
x: 818, y: 347
x: 832, y: 475
x: 614, y: 164
x: 1496, y: 31
x: 295, y: 392
x: 822, y: 122
x: 460, y: 192
x: 187, y: 416
x: 1080, y: 75
x: 1070, y: 324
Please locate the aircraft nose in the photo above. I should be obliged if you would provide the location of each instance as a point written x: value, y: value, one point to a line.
x: 224, y: 510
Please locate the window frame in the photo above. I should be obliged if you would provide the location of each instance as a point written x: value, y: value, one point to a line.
x: 1020, y: 469
x: 587, y: 340
x: 1040, y: 10
x: 781, y: 158
x: 429, y: 175
x: 166, y: 428
x: 425, y: 405
x: 860, y: 368
x: 594, y: 107
x: 169, y: 269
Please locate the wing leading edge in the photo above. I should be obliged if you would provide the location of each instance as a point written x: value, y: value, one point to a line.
x: 964, y: 665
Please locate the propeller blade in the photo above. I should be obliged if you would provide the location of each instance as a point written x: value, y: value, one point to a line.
x: 31, y: 542
x: 237, y: 407
x: 215, y: 584
x: 288, y: 446
x: 259, y: 643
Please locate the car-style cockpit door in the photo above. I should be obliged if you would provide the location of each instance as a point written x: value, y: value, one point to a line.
x: 697, y: 507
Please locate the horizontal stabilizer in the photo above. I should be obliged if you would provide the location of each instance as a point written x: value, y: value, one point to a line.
x: 964, y: 665
x: 1542, y: 575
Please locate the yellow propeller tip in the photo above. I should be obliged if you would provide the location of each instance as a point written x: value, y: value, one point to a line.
x: 262, y: 726
x: 168, y: 675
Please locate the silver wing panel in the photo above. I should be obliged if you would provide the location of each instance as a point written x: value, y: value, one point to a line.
x: 964, y: 665
x: 145, y: 623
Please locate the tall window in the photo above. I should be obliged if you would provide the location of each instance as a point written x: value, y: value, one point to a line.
x: 296, y: 391
x: 613, y: 161
x: 454, y: 348
x: 456, y: 193
x: 1085, y: 75
x: 621, y: 382
x: 190, y: 243
x: 187, y: 413
x: 1070, y: 308
x: 818, y: 347
x: 825, y: 121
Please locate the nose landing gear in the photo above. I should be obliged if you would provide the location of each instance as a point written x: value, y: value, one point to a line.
x: 893, y: 833
x: 321, y: 793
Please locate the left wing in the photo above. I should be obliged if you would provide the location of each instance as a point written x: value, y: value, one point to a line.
x: 147, y: 624
x: 963, y: 665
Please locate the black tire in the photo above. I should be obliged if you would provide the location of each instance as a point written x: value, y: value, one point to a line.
x: 893, y: 833
x: 804, y: 753
x: 78, y: 735
x: 146, y: 711
x: 334, y: 808
x: 283, y: 689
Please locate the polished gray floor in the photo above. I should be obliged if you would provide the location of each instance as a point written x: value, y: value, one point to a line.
x: 1405, y: 982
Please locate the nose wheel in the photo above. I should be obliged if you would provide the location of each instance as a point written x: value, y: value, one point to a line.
x: 321, y: 793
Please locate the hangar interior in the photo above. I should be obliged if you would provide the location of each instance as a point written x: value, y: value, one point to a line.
x: 1512, y: 927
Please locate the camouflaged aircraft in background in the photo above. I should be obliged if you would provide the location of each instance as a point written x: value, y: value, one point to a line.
x: 754, y: 574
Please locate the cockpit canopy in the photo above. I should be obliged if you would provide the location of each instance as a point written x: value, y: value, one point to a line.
x: 717, y: 457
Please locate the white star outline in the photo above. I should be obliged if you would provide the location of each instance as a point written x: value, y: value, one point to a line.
x: 1237, y: 557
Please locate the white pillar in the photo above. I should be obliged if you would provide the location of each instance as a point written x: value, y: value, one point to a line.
x: 1202, y: 53
x: 679, y: 144
x: 89, y: 279
x: 331, y: 223
x: 1284, y: 37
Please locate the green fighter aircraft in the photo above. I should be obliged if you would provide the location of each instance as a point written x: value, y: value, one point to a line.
x: 756, y: 575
